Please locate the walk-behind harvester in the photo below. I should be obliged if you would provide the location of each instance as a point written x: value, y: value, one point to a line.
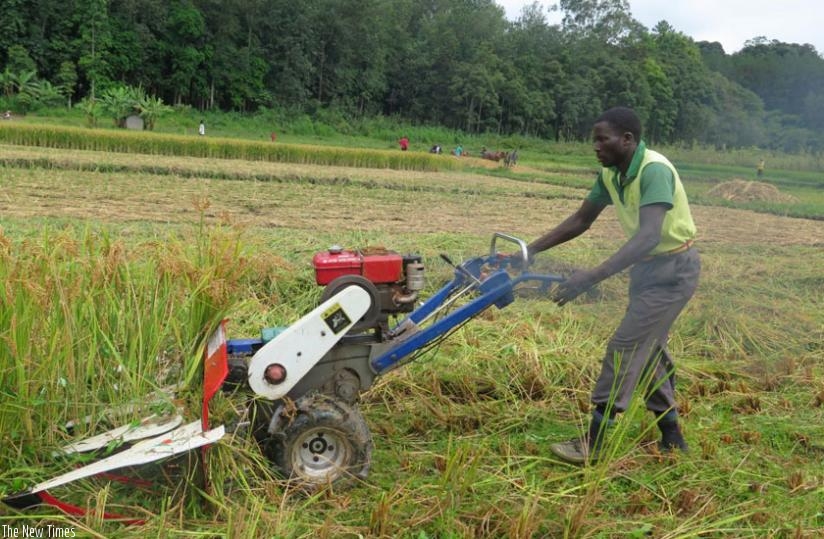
x: 304, y: 381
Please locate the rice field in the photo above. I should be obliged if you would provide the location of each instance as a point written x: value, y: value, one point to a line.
x: 114, y: 263
x: 73, y: 138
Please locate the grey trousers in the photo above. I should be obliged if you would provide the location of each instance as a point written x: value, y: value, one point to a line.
x: 659, y: 289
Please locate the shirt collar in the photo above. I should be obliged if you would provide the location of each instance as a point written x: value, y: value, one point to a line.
x: 635, y: 164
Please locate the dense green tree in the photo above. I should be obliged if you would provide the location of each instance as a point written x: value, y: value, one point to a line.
x: 19, y: 60
x: 286, y: 41
x: 234, y: 59
x: 782, y: 74
x: 606, y: 21
x: 714, y: 56
x: 448, y: 37
x: 738, y: 115
x: 138, y: 54
x: 7, y: 83
x: 680, y: 59
x: 66, y: 80
x: 184, y: 59
x: 662, y: 109
x: 534, y: 72
x: 50, y: 34
x: 474, y: 88
x: 813, y: 109
x: 457, y: 63
x: 15, y: 29
x: 786, y: 76
x: 93, y: 41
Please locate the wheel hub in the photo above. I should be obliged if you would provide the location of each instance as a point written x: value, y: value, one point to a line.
x: 321, y: 454
x: 318, y: 445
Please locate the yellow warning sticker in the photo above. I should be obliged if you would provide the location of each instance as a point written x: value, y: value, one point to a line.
x: 335, y: 317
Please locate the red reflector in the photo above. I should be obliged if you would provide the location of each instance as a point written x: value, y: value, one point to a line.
x: 275, y: 373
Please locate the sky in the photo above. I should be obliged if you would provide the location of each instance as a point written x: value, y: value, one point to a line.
x: 730, y: 22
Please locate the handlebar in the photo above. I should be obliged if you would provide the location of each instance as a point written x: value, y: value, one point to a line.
x: 519, y: 242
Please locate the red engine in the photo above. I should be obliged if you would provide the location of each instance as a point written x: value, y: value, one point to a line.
x: 392, y: 280
x: 378, y: 266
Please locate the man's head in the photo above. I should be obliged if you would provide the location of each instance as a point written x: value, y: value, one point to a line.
x: 615, y: 135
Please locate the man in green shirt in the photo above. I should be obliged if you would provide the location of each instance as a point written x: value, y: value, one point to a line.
x: 654, y: 214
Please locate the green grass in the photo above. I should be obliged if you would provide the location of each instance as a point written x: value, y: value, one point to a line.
x: 475, y: 463
x: 461, y: 435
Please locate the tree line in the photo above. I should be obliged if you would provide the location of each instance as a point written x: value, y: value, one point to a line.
x: 456, y: 63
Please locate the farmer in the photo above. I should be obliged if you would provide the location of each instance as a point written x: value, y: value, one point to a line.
x: 404, y: 143
x: 201, y: 129
x: 654, y: 213
x: 759, y: 169
x: 511, y: 159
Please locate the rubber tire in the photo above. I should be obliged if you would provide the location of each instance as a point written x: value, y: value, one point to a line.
x: 327, y: 442
x: 368, y: 320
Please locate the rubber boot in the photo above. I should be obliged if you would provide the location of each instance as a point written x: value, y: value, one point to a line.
x: 597, y: 431
x: 671, y: 437
x: 584, y: 448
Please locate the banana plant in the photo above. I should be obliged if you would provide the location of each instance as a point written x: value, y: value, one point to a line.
x: 119, y: 102
x: 151, y: 108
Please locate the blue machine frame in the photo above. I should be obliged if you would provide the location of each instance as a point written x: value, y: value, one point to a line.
x: 495, y: 289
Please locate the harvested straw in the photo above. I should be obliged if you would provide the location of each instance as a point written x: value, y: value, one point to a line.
x: 747, y: 191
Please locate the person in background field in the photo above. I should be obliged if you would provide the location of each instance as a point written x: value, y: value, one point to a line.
x: 404, y: 142
x: 458, y: 151
x: 273, y: 136
x: 511, y: 158
x: 201, y: 129
x: 759, y: 169
x: 653, y: 211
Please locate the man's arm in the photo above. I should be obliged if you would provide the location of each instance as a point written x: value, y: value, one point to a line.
x: 651, y: 218
x: 571, y: 227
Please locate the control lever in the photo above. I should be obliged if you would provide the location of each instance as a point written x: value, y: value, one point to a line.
x: 460, y: 269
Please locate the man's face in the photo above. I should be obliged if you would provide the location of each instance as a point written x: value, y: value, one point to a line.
x: 610, y: 144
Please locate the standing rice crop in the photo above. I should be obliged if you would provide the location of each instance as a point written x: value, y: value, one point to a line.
x: 223, y: 148
x: 89, y: 321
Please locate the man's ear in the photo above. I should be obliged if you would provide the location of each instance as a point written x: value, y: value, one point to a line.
x: 628, y: 139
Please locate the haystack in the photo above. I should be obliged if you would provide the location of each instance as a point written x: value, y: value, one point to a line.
x: 738, y: 190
